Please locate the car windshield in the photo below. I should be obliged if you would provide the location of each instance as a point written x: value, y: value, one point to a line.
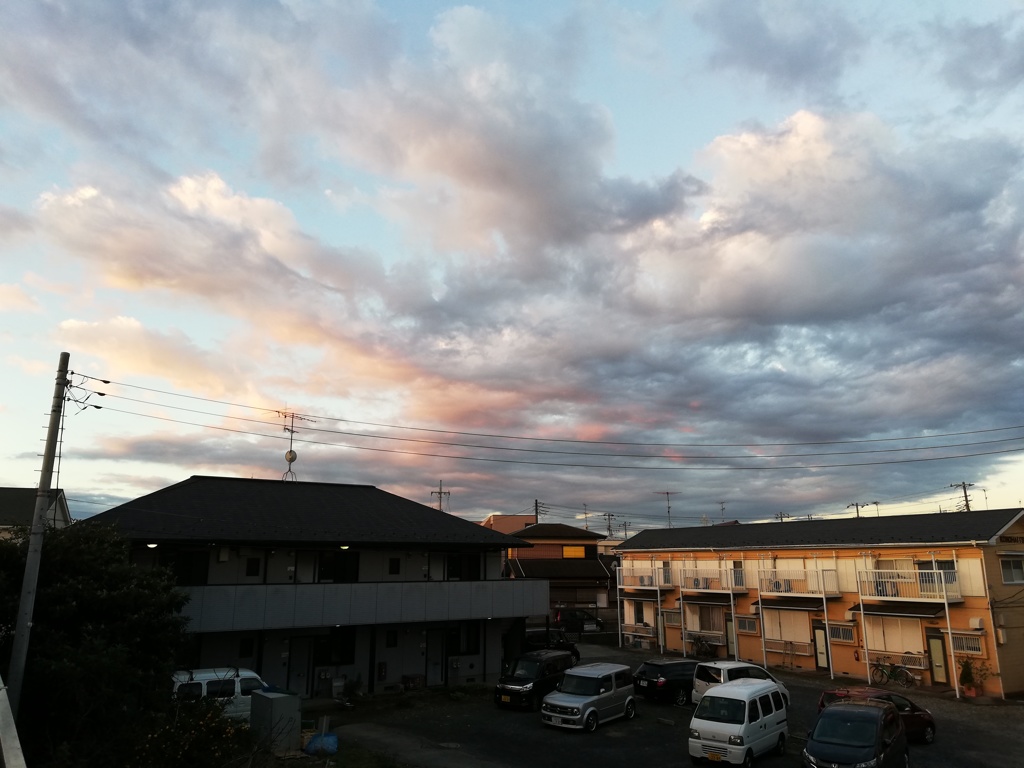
x: 720, y: 710
x: 845, y: 731
x: 581, y: 686
x: 526, y: 669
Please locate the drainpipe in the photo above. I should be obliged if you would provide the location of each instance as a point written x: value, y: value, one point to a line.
x: 732, y: 610
x: 863, y: 621
x: 828, y: 633
x: 949, y: 630
x: 760, y: 609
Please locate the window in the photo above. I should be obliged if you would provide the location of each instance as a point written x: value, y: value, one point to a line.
x: 967, y: 643
x: 753, y: 713
x: 394, y: 566
x: 336, y: 648
x: 623, y: 678
x: 190, y: 568
x: 190, y: 691
x: 766, y: 704
x: 638, y: 612
x: 391, y: 638
x: 777, y: 700
x: 842, y: 633
x: 573, y: 552
x: 746, y: 624
x: 220, y: 689
x: 791, y: 626
x: 338, y: 566
x: 887, y: 633
x: 252, y: 566
x: 672, y: 619
x: 246, y: 648
x: 463, y: 567
x: 1013, y: 569
x: 249, y: 684
x: 464, y: 640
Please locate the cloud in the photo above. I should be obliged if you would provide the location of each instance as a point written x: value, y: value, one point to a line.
x: 982, y: 59
x: 14, y: 298
x: 800, y: 46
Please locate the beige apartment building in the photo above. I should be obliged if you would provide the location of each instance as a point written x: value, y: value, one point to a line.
x: 932, y: 592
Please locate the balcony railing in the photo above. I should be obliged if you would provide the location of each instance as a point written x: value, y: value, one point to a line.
x: 910, y: 585
x: 817, y: 583
x: 657, y: 577
x: 789, y: 647
x: 905, y: 658
x: 638, y: 630
x: 712, y: 580
x: 239, y: 607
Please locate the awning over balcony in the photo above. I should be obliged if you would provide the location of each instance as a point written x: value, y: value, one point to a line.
x: 791, y: 604
x: 708, y: 599
x: 911, y: 610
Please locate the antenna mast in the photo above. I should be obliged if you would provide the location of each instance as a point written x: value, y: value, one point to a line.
x: 440, y: 493
x: 290, y: 455
x: 668, y: 505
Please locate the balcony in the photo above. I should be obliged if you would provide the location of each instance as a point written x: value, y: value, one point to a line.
x: 936, y: 586
x: 712, y: 580
x: 644, y: 578
x: 817, y: 583
x: 238, y: 607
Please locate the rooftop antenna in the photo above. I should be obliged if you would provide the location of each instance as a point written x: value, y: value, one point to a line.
x: 586, y: 521
x: 290, y: 455
x: 668, y: 505
x: 722, y: 505
x: 440, y: 493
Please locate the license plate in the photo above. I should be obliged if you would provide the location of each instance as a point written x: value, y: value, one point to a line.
x: 506, y: 699
x: 643, y: 683
x: 714, y: 757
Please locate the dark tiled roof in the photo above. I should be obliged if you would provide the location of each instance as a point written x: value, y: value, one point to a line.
x: 540, y: 568
x: 555, y: 531
x: 937, y: 528
x: 224, y: 509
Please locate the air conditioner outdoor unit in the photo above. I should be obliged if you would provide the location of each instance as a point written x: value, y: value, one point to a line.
x: 850, y: 615
x: 977, y: 622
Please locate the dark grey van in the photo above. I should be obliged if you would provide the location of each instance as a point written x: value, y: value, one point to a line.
x: 531, y: 677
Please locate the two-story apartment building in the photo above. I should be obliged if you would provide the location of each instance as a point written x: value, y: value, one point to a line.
x: 312, y: 583
x: 928, y: 591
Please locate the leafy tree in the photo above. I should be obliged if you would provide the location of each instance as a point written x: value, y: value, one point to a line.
x: 102, y: 651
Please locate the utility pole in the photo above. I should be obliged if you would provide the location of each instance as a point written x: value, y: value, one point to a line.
x: 625, y: 530
x: 781, y: 516
x: 19, y: 650
x: 857, y: 506
x: 586, y: 522
x: 608, y: 517
x: 967, y: 500
x: 722, y: 505
x: 667, y: 504
x: 440, y: 493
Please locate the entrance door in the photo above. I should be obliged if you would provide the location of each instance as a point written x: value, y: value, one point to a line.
x: 435, y: 657
x: 299, y: 665
x: 730, y: 646
x: 821, y: 648
x: 937, y: 659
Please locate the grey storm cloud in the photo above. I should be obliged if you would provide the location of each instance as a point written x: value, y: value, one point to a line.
x: 804, y: 45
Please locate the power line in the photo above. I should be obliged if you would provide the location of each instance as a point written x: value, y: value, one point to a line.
x: 560, y: 440
x: 652, y: 457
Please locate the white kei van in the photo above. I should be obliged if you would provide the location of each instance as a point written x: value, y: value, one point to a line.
x: 233, y: 686
x: 737, y: 721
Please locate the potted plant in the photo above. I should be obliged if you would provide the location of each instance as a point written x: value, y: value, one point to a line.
x: 967, y: 676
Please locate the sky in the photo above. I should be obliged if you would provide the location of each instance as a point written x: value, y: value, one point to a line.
x: 628, y: 264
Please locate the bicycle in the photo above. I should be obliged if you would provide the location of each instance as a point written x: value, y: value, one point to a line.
x: 702, y: 649
x: 883, y: 670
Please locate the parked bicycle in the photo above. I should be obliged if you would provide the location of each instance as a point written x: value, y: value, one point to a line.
x: 702, y: 649
x: 883, y: 670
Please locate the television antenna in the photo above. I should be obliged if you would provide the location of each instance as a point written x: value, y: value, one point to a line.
x: 290, y: 455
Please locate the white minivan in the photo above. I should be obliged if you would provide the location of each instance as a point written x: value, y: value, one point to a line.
x: 737, y: 721
x: 708, y: 674
x: 232, y: 686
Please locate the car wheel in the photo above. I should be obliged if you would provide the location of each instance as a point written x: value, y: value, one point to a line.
x: 929, y: 735
x: 780, y: 748
x: 575, y: 659
x: 682, y: 699
x: 630, y: 712
x: 748, y: 759
x: 590, y: 724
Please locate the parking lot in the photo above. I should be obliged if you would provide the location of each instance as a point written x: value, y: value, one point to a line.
x: 437, y: 728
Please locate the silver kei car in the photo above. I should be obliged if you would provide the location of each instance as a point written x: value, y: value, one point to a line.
x: 588, y: 695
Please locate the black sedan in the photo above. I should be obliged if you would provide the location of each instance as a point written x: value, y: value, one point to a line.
x: 917, y: 720
x: 665, y: 679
